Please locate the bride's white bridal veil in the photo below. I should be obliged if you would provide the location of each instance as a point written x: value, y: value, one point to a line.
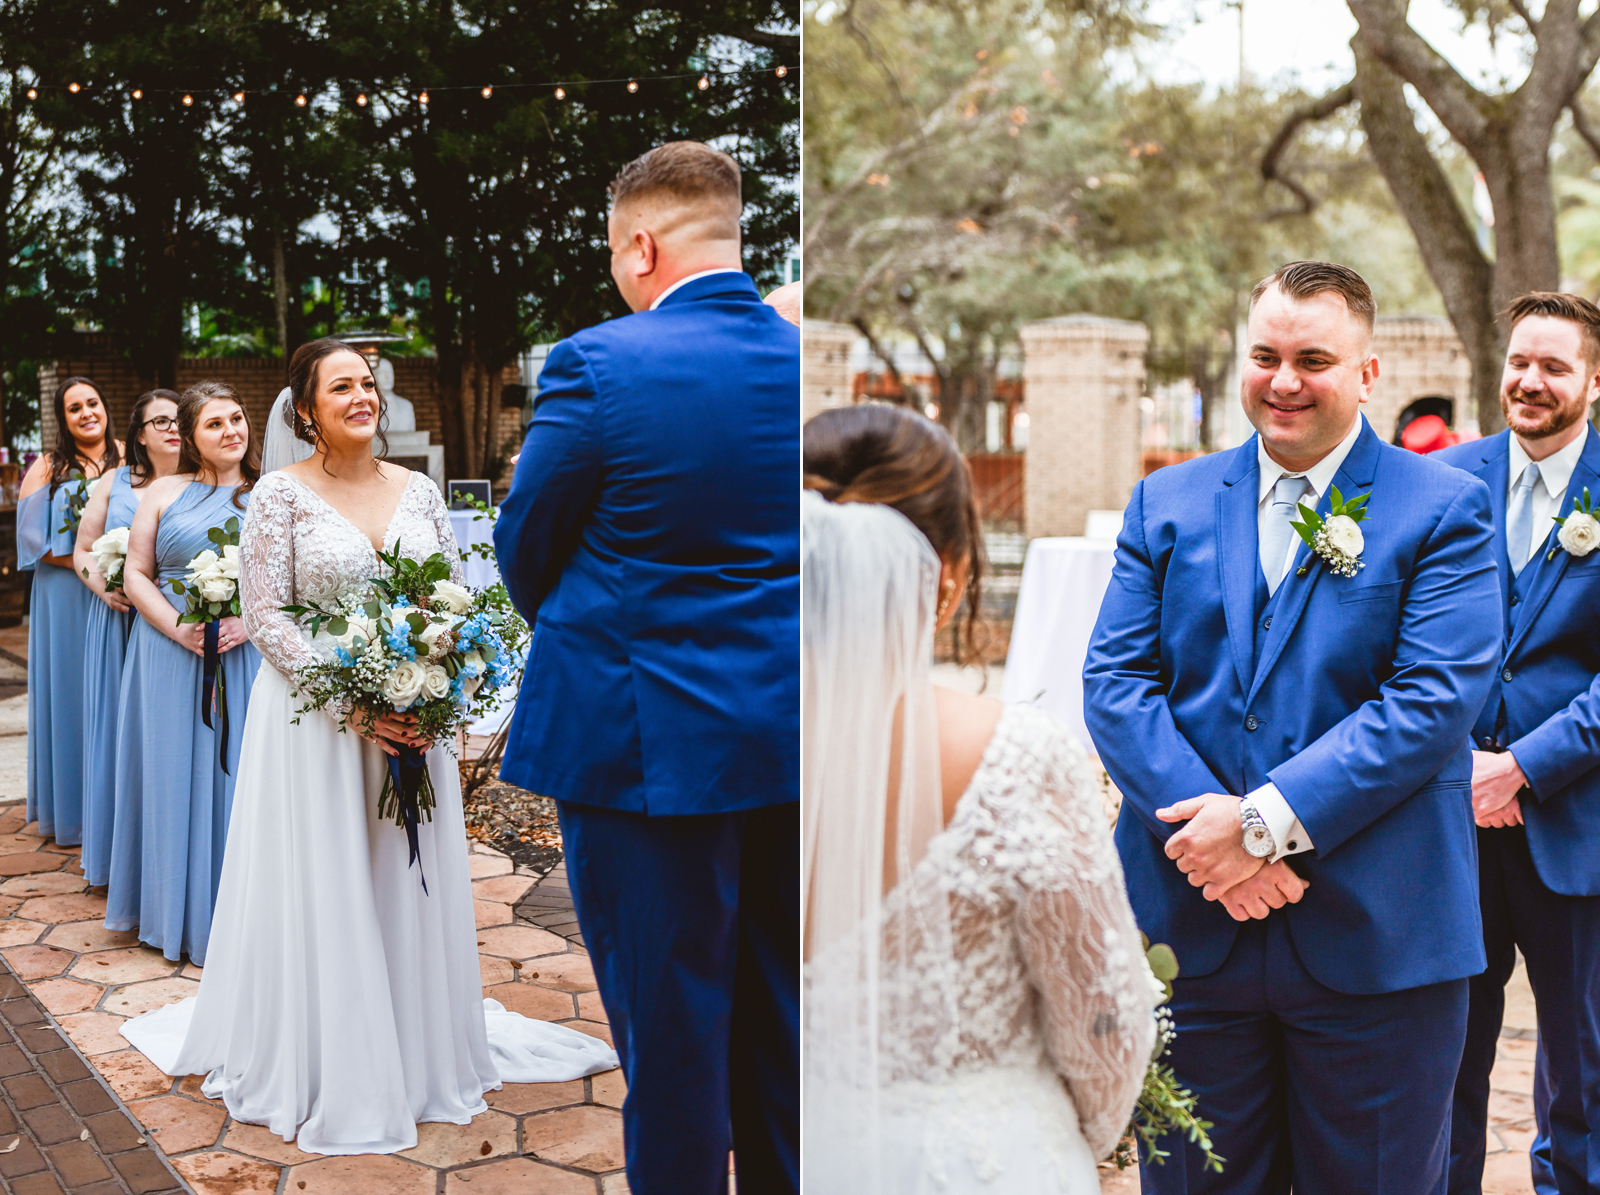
x: 871, y: 803
x: 280, y: 446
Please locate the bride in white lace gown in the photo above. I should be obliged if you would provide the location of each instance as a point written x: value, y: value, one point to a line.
x: 978, y: 1007
x: 339, y: 1002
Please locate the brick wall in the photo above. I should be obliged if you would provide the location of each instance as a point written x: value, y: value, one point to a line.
x: 257, y: 380
x: 1418, y: 356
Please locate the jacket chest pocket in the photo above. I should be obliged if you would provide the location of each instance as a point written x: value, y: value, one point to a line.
x: 1379, y: 592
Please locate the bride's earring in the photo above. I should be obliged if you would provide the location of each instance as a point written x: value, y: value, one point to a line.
x: 944, y: 600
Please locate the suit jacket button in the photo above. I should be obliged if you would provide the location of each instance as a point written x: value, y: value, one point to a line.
x: 1515, y: 599
x: 1505, y: 675
x: 1266, y: 623
x: 1488, y: 741
x: 1250, y: 722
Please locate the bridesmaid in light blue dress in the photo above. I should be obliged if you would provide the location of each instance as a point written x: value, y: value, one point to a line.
x: 152, y: 451
x: 173, y: 793
x: 60, y: 607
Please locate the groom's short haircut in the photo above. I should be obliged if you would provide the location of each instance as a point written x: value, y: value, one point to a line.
x: 686, y: 171
x: 1557, y: 305
x: 1301, y: 280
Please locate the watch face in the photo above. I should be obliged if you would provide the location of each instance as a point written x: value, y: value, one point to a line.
x: 1257, y: 841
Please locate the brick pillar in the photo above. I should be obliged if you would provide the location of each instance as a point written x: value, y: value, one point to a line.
x: 1083, y: 376
x: 825, y: 366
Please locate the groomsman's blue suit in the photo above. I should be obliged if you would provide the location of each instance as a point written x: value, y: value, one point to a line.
x: 1541, y: 880
x: 1323, y: 1040
x: 652, y: 529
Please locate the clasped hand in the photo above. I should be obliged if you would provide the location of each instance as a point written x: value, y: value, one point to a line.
x: 390, y: 731
x: 1210, y: 851
x: 1497, y: 778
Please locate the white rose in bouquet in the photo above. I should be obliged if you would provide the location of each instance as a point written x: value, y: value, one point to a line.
x: 404, y: 685
x: 357, y: 627
x: 109, y: 550
x: 471, y: 684
x: 455, y: 598
x: 228, y: 562
x: 431, y: 635
x: 203, y: 562
x: 436, y: 684
x: 1344, y: 535
x: 473, y: 662
x: 216, y: 589
x: 1580, y: 534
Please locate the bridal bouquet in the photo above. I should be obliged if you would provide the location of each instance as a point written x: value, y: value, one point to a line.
x: 110, y: 553
x: 77, y: 500
x: 211, y: 593
x: 1164, y: 1106
x: 412, y: 642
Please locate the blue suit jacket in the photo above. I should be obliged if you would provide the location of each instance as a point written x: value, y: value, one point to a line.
x: 1356, y: 707
x: 1544, y: 703
x: 652, y: 535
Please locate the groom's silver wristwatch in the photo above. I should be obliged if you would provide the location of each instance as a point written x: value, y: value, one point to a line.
x: 1257, y: 838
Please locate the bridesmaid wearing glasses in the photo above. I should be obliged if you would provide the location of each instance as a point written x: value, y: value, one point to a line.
x: 152, y: 452
x: 51, y: 497
x: 175, y: 777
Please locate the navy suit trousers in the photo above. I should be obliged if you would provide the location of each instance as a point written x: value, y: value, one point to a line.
x: 1560, y: 939
x: 1309, y: 1088
x: 693, y: 924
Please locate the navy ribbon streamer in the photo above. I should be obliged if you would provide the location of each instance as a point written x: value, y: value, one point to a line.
x: 406, y: 772
x: 212, y: 687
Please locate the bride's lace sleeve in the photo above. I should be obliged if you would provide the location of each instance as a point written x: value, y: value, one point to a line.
x: 266, y: 577
x: 1083, y: 953
x: 440, y: 514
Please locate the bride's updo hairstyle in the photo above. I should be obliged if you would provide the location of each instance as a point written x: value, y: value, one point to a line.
x: 190, y: 406
x: 305, y: 369
x: 873, y: 452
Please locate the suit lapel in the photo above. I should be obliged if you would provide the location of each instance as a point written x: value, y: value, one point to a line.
x: 1586, y: 473
x: 1239, y: 554
x: 1493, y: 471
x: 1354, y: 477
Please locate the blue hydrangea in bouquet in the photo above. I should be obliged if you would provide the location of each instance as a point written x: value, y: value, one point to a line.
x: 410, y: 642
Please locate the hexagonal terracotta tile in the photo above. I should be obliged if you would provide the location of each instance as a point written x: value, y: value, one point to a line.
x: 585, y: 1137
x: 515, y: 1176
x: 617, y: 1184
x: 591, y: 1007
x: 29, y: 861
x: 189, y: 1085
x: 261, y: 1142
x: 531, y: 1000
x: 495, y: 970
x: 491, y: 912
x: 70, y: 906
x: 362, y: 1174
x: 218, y: 1173
x: 131, y: 964
x: 179, y: 1125
x: 522, y: 1098
x: 593, y: 1029
x: 507, y: 889
x: 94, y: 1032
x: 135, y: 998
x: 9, y: 905
x: 520, y: 942
x: 61, y: 996
x: 190, y: 971
x: 484, y: 866
x: 58, y: 848
x: 571, y: 972
x: 80, y: 937
x: 446, y: 1145
x: 16, y: 932
x: 131, y: 1075
x: 609, y: 1088
x: 11, y: 843
x: 37, y: 962
x: 48, y: 883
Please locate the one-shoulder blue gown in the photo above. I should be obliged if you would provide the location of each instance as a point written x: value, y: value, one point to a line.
x: 57, y: 615
x: 173, y: 798
x: 105, y: 642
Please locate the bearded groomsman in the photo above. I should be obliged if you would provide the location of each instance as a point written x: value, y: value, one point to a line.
x: 1535, y: 783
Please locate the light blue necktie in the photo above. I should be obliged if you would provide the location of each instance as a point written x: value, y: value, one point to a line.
x: 1519, y: 519
x: 1275, y: 535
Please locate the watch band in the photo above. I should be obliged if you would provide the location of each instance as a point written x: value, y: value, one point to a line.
x: 1257, y: 837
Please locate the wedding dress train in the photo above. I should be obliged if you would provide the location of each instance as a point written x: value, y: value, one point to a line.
x: 341, y: 1004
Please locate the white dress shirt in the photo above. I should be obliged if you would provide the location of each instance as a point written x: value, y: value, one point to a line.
x: 685, y: 282
x: 1288, y: 834
x: 1549, y: 492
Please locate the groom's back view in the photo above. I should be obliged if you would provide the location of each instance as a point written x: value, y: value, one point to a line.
x: 652, y: 532
x: 1288, y: 724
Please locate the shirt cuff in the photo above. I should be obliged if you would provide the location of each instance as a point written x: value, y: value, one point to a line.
x: 1287, y: 832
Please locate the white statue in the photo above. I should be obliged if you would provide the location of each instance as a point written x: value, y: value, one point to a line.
x: 402, y: 415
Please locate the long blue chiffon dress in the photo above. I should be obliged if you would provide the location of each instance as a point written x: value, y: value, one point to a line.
x: 59, y: 610
x: 105, y: 642
x: 173, y: 798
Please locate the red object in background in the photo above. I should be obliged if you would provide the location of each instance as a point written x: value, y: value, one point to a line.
x: 1428, y: 433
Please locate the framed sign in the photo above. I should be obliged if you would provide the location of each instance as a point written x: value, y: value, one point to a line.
x: 475, y: 489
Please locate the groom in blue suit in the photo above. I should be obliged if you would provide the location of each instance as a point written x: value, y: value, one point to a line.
x: 1288, y: 726
x: 1536, y: 767
x: 652, y: 534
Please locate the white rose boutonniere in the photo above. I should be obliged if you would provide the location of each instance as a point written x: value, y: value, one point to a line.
x: 1580, y: 530
x: 1337, y: 539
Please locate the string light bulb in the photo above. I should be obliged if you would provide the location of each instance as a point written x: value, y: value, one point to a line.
x: 138, y: 93
x: 632, y: 86
x: 781, y: 71
x: 238, y: 97
x: 33, y: 93
x: 704, y: 83
x: 188, y: 101
x: 487, y: 92
x: 561, y: 93
x: 362, y: 99
x: 423, y: 99
x: 300, y: 101
x: 73, y: 88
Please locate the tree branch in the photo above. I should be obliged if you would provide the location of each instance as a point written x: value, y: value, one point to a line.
x: 1521, y: 10
x: 1580, y: 122
x: 860, y: 324
x: 1383, y: 29
x: 1316, y: 110
x: 788, y: 43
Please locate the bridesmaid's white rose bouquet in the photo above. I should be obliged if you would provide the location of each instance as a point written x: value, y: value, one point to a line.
x: 110, y: 553
x: 211, y: 586
x: 412, y: 642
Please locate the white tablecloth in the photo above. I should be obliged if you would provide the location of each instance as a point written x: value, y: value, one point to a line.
x: 472, y: 528
x: 1063, y: 580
